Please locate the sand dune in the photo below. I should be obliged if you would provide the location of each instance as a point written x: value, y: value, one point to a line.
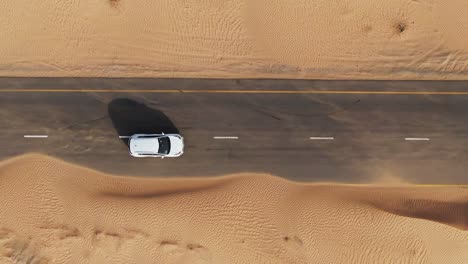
x: 54, y: 212
x: 399, y: 39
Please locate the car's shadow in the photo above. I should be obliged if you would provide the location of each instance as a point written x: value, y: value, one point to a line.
x: 130, y: 117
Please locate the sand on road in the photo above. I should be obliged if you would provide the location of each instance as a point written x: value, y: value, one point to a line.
x: 55, y: 212
x: 360, y: 39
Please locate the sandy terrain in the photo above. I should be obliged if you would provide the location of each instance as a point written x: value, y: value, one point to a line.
x: 398, y: 39
x: 54, y: 212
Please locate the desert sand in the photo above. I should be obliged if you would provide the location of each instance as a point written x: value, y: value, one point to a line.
x: 54, y: 212
x: 320, y: 39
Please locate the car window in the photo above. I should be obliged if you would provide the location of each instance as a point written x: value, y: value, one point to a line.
x: 164, y: 145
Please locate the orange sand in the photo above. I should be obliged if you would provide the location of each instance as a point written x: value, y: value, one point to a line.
x: 54, y: 212
x: 329, y: 39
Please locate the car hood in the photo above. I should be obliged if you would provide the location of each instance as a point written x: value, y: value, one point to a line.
x: 177, y: 145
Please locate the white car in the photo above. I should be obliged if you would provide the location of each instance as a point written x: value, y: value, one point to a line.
x: 156, y: 145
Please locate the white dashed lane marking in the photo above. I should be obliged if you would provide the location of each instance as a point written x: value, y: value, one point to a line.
x: 36, y: 136
x: 234, y: 137
x: 417, y: 139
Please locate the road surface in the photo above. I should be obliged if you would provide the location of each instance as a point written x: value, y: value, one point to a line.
x: 345, y: 131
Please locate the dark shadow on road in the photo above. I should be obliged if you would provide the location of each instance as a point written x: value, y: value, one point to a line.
x: 131, y: 117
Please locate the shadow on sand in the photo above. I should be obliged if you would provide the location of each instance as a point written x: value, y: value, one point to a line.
x: 131, y: 117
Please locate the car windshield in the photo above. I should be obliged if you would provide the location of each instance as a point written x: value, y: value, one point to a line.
x: 164, y: 145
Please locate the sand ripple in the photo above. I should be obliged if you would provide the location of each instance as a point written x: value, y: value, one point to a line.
x: 398, y: 39
x: 54, y: 212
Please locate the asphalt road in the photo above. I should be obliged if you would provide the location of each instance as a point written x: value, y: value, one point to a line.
x: 344, y: 131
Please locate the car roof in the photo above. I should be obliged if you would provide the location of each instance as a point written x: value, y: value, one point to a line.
x: 144, y: 145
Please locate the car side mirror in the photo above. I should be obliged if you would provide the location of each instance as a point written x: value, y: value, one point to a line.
x: 162, y: 157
